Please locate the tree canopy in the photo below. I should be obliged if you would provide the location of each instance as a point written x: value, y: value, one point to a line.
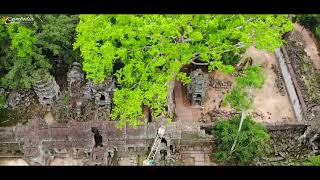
x: 240, y: 95
x: 153, y: 48
x: 22, y: 59
x: 27, y: 48
x: 252, y: 140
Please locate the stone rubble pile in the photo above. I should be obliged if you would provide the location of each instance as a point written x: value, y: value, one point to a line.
x: 308, y: 80
x: 285, y: 148
x: 15, y: 99
x: 299, y: 60
x: 217, y: 114
x: 218, y: 84
x: 279, y: 81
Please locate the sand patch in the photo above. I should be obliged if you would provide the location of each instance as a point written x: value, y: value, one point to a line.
x: 268, y: 102
x: 49, y: 118
x: 12, y: 162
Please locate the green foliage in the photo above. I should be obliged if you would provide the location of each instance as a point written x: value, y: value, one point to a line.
x: 184, y: 78
x: 24, y: 62
x: 231, y: 58
x: 2, y: 102
x: 26, y: 49
x: 239, y: 97
x: 313, y: 161
x: 252, y: 77
x: 252, y: 141
x: 153, y: 48
x: 317, y: 31
x: 222, y: 67
x: 57, y: 34
x: 66, y: 99
x: 310, y: 21
x: 22, y: 40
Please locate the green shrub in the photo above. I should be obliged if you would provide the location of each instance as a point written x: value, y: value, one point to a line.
x: 2, y: 102
x: 252, y: 141
x: 66, y: 99
x: 313, y: 161
x: 310, y: 21
x: 317, y: 32
x: 238, y: 99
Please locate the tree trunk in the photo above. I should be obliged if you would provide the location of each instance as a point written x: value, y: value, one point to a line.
x: 243, y: 116
x: 170, y: 99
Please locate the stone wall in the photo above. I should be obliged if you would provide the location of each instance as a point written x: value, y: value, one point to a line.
x: 285, y: 148
x: 41, y: 142
x: 295, y: 102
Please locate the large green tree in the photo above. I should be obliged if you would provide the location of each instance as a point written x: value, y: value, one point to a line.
x: 28, y: 47
x: 153, y: 48
x: 22, y: 60
x: 240, y: 97
x: 56, y: 34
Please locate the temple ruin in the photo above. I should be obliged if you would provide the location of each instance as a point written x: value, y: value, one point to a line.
x: 47, y: 90
x: 293, y: 125
x: 197, y: 89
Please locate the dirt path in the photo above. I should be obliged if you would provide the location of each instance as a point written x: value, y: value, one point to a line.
x: 182, y: 112
x: 215, y: 96
x: 49, y: 118
x: 187, y: 116
x: 310, y: 44
x: 267, y: 101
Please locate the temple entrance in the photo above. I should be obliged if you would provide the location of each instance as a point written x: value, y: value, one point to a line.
x: 97, y: 137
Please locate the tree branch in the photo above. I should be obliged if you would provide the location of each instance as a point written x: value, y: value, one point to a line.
x: 196, y: 56
x: 243, y: 116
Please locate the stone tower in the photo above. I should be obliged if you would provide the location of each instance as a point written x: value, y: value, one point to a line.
x: 47, y: 90
x: 197, y: 89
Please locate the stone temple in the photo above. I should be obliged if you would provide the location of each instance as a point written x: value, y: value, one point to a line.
x: 197, y: 89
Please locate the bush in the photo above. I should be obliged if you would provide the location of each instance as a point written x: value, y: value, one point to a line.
x: 238, y: 99
x: 66, y: 99
x: 313, y: 161
x: 310, y: 21
x: 252, y: 141
x: 317, y: 32
x: 2, y: 102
